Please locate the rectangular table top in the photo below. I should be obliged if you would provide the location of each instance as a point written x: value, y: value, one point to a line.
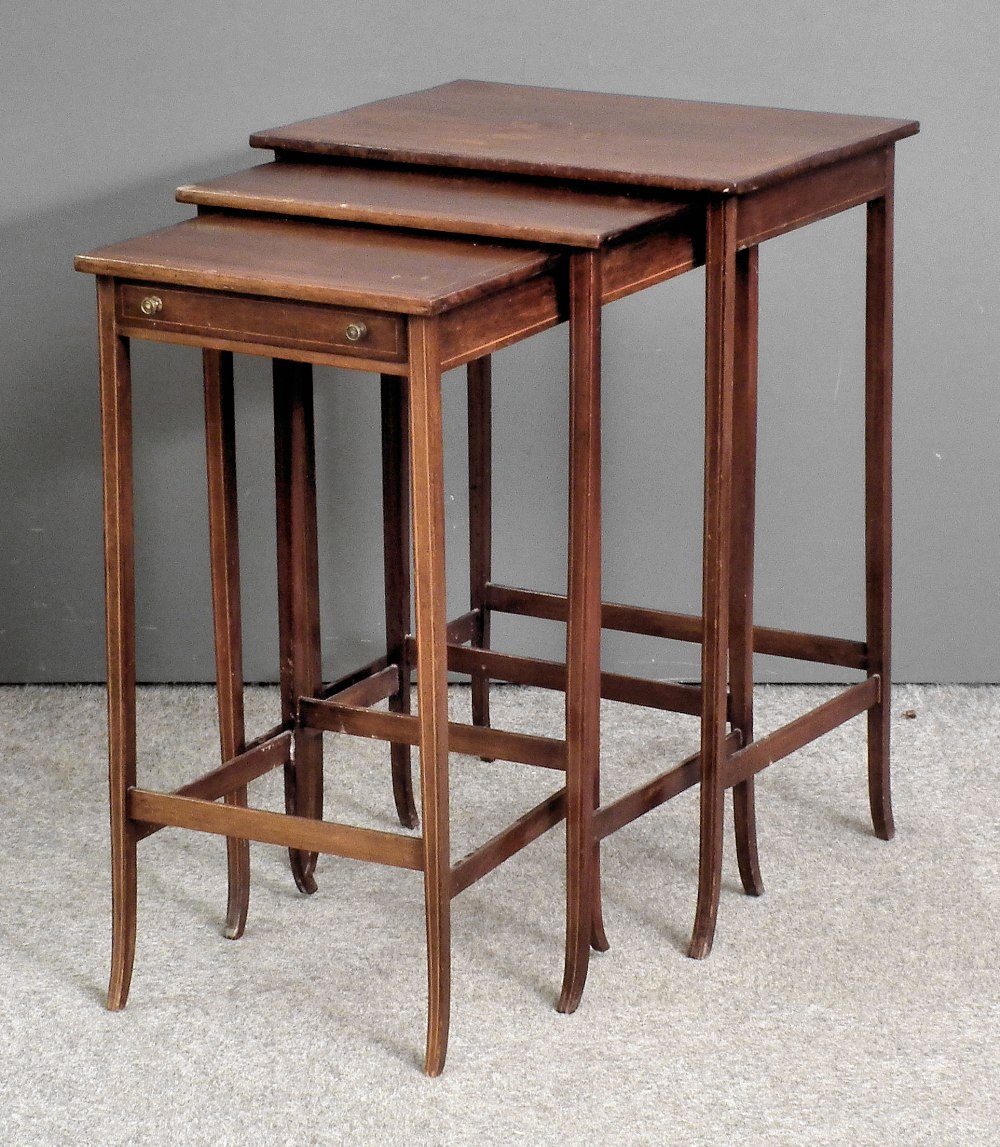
x: 461, y: 202
x: 676, y: 145
x: 348, y: 266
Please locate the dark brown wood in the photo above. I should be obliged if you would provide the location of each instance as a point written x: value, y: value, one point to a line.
x: 636, y: 263
x: 749, y: 761
x: 680, y: 627
x: 461, y: 203
x: 477, y: 329
x: 259, y: 283
x: 621, y: 812
x: 459, y: 631
x: 667, y: 695
x: 720, y: 357
x: 396, y: 564
x: 427, y: 486
x: 234, y: 774
x: 742, y: 556
x: 300, y: 834
x: 583, y: 626
x: 308, y: 326
x: 298, y: 593
x: 493, y: 744
x: 878, y: 496
x: 380, y: 686
x: 793, y: 203
x: 340, y: 266
x: 625, y: 140
x: 119, y: 584
x: 511, y: 840
x: 480, y: 422
x: 224, y: 547
x: 810, y: 647
x: 240, y: 771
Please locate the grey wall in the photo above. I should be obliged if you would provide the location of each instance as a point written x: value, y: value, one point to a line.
x: 105, y: 107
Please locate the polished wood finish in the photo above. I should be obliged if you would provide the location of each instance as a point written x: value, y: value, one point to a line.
x: 480, y: 422
x: 742, y: 556
x: 583, y: 622
x: 302, y: 325
x: 627, y: 141
x: 878, y: 497
x: 305, y: 835
x: 466, y: 204
x: 666, y: 695
x: 681, y: 627
x: 427, y: 486
x: 494, y: 744
x: 223, y: 532
x: 749, y: 761
x: 510, y: 841
x: 119, y: 585
x: 241, y: 770
x: 300, y: 666
x: 653, y: 793
x: 342, y: 266
x: 720, y: 365
x: 246, y: 275
x: 396, y: 553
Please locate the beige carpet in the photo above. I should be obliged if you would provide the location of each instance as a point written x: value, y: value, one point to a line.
x: 857, y: 1002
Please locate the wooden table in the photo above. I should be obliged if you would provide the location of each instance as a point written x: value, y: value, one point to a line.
x: 747, y: 175
x: 407, y: 307
x: 624, y: 191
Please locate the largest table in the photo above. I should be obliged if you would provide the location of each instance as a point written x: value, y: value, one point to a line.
x: 751, y: 174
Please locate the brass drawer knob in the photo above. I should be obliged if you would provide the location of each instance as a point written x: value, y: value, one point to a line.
x: 151, y: 305
x: 356, y: 332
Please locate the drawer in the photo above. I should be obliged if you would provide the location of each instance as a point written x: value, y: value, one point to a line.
x: 268, y: 321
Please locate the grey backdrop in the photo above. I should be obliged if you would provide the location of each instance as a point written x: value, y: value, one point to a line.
x: 106, y: 107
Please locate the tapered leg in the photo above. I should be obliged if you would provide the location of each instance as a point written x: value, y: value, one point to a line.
x: 480, y: 520
x: 119, y: 574
x: 583, y: 635
x: 223, y: 531
x: 878, y: 497
x: 741, y: 565
x: 427, y: 481
x: 720, y: 327
x: 598, y: 936
x: 298, y: 593
x: 396, y: 534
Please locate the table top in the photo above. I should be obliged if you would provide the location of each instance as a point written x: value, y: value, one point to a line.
x: 676, y: 145
x: 461, y: 202
x: 347, y: 266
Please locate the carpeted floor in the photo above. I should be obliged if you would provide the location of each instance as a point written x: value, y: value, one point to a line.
x: 857, y: 1002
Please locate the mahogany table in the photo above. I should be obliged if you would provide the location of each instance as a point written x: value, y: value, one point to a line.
x: 620, y: 192
x: 747, y: 174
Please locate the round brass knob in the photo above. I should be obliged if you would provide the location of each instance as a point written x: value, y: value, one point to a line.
x: 355, y: 332
x: 151, y: 305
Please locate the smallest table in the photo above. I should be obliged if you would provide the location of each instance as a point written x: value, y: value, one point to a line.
x: 405, y: 307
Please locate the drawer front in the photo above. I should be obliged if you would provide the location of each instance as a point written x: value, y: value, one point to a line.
x: 273, y: 322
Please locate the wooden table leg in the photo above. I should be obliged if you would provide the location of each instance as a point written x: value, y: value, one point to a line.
x: 427, y: 483
x: 298, y: 593
x: 583, y: 630
x: 119, y: 573
x: 878, y: 496
x: 480, y: 415
x: 741, y: 563
x: 396, y: 535
x: 720, y: 328
x: 223, y: 531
